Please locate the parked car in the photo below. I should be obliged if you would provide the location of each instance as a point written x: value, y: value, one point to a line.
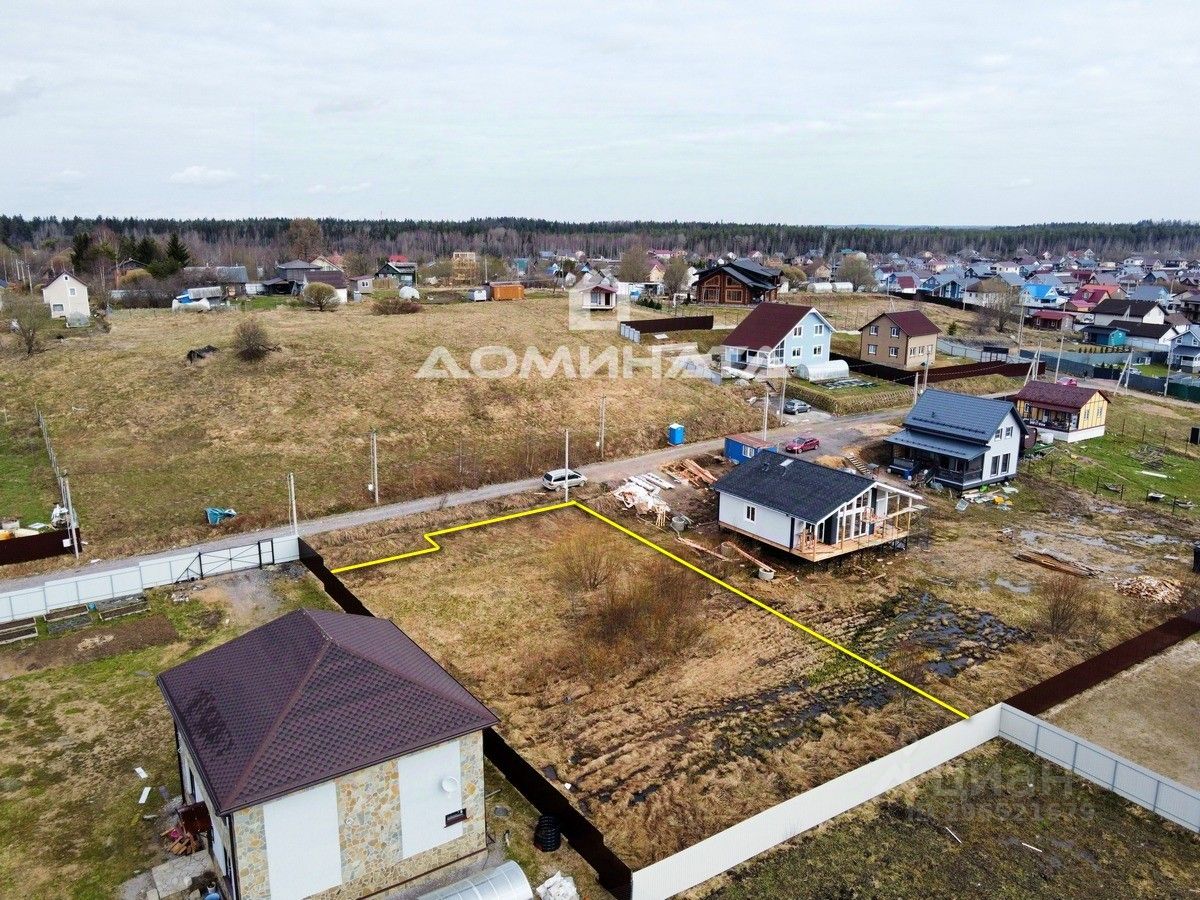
x: 557, y: 479
x: 801, y: 444
x: 792, y: 407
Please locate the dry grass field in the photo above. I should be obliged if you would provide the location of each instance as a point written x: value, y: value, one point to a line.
x: 150, y: 440
x: 665, y: 748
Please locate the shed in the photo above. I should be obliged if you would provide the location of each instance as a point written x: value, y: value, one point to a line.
x: 826, y: 370
x: 741, y: 447
x: 507, y: 290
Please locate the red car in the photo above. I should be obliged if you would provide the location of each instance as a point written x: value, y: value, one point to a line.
x: 802, y: 444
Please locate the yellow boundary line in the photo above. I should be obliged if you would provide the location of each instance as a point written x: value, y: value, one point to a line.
x: 434, y: 547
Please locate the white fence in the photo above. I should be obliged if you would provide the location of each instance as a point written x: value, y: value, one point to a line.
x: 757, y: 834
x: 780, y: 823
x: 63, y: 592
x: 1160, y: 795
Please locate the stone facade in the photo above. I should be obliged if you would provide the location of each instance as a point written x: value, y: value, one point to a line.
x: 368, y: 806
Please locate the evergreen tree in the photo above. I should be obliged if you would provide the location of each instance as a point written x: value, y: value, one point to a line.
x: 83, y: 252
x: 147, y: 251
x: 176, y: 251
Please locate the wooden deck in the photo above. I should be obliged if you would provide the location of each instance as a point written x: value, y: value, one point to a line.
x: 815, y: 551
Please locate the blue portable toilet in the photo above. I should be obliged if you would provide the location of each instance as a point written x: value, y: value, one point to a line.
x: 674, y: 434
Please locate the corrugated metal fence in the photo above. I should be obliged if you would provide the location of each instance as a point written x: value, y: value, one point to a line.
x: 127, y: 582
x: 1160, y: 795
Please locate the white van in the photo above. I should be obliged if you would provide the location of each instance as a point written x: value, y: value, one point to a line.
x: 557, y: 479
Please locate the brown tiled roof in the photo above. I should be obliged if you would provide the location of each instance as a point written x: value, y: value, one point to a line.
x: 766, y: 326
x: 308, y: 697
x: 912, y: 322
x: 1058, y: 396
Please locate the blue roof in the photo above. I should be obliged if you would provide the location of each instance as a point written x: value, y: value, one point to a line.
x: 958, y: 416
x: 936, y: 444
x: 1039, y: 291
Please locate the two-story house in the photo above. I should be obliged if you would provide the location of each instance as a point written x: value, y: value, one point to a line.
x: 740, y: 282
x: 1063, y: 412
x: 905, y: 339
x: 960, y: 440
x: 775, y: 335
x: 327, y: 755
x: 66, y: 296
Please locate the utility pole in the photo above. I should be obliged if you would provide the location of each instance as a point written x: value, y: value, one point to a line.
x: 1058, y: 361
x: 374, y: 486
x: 766, y: 407
x: 782, y: 397
x: 567, y: 464
x: 291, y: 482
x: 600, y: 443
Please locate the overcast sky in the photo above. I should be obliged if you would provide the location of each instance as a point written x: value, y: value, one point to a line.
x: 835, y: 112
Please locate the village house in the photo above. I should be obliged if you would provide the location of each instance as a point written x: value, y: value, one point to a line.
x: 810, y: 510
x: 944, y: 286
x: 1114, y: 309
x: 1053, y: 319
x: 903, y: 283
x: 593, y: 292
x: 403, y: 271
x: 740, y: 282
x: 1063, y: 412
x: 1184, y: 354
x: 961, y: 441
x: 67, y: 297
x: 776, y: 335
x: 905, y: 339
x: 326, y: 755
x: 335, y: 278
x: 294, y: 270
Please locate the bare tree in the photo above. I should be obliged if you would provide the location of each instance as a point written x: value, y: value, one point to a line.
x: 907, y: 660
x: 1071, y: 608
x: 858, y: 272
x: 1005, y: 303
x: 305, y: 239
x: 30, y: 317
x: 675, y: 276
x: 321, y: 297
x: 634, y: 265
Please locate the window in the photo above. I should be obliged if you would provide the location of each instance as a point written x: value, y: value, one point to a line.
x: 1008, y: 431
x: 798, y: 331
x: 734, y: 295
x: 748, y: 452
x: 872, y: 349
x: 999, y: 431
x: 1004, y: 464
x: 455, y: 817
x: 796, y: 351
x: 895, y: 331
x: 818, y: 329
x: 71, y: 291
x: 711, y: 293
x: 874, y: 329
x: 817, y: 350
x: 995, y: 465
x: 750, y: 511
x: 56, y: 307
x: 893, y: 352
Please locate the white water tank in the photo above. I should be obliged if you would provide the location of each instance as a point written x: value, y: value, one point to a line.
x: 505, y: 882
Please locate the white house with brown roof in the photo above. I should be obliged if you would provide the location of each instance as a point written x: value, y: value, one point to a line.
x: 66, y: 296
x: 776, y: 335
x: 327, y: 755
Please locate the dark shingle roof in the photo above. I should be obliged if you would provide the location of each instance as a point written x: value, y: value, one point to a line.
x: 331, y: 277
x: 1058, y: 396
x: 958, y: 416
x: 766, y: 326
x: 912, y: 322
x: 794, y: 486
x: 308, y: 697
x: 1142, y: 329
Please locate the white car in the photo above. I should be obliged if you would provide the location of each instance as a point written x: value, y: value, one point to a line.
x: 557, y: 479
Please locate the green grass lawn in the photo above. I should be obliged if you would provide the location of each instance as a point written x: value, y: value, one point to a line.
x: 27, y: 486
x: 998, y: 801
x: 73, y: 730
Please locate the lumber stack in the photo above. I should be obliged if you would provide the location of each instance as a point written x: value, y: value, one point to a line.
x: 1056, y: 563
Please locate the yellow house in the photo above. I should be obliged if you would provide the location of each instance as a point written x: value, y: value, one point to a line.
x: 1064, y: 412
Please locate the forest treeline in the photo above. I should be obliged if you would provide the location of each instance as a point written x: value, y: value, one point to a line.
x: 509, y: 237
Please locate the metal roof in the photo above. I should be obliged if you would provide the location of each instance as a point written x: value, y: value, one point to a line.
x: 935, y: 444
x: 794, y: 486
x: 958, y: 416
x: 308, y: 697
x: 767, y: 325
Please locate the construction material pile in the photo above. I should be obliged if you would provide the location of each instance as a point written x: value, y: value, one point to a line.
x: 688, y: 471
x: 1156, y: 592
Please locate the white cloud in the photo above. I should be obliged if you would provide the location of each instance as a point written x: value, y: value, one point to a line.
x: 15, y: 93
x: 993, y: 60
x: 1020, y: 182
x: 65, y: 176
x: 202, y: 176
x: 355, y: 188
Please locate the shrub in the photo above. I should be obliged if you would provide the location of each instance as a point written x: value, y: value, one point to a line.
x: 320, y: 297
x: 1071, y: 608
x: 392, y: 306
x: 251, y: 341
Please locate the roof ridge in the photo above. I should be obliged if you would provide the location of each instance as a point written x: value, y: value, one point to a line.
x: 269, y: 735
